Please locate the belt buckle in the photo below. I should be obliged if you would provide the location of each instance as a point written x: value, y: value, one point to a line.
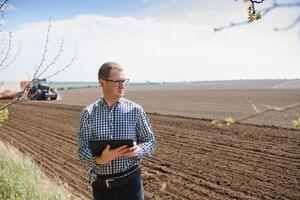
x: 107, y: 182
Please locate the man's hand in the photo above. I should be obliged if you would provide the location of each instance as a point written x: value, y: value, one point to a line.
x: 108, y: 155
x: 132, y: 151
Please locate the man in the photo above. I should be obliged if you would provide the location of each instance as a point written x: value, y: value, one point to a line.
x: 115, y: 174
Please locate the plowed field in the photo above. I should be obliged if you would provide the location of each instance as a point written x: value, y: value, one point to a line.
x: 193, y: 160
x: 203, y: 103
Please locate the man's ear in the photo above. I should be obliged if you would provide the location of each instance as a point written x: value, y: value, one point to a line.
x: 101, y: 83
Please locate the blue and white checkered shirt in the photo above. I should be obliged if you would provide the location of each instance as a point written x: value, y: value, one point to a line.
x: 126, y: 120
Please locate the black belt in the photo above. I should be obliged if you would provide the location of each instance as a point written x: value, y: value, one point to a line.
x: 109, y: 182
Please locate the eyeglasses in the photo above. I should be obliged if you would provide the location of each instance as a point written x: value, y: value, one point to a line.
x: 118, y: 82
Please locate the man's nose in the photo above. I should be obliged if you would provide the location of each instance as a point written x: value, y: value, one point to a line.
x: 121, y: 85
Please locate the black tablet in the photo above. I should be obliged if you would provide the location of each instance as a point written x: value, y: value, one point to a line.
x: 97, y: 146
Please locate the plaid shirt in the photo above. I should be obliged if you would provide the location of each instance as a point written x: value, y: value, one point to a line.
x: 126, y: 120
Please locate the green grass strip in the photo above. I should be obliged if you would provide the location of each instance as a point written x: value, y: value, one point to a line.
x: 20, y: 179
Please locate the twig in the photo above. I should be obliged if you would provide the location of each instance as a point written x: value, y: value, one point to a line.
x: 263, y: 12
x: 39, y: 71
x: 290, y: 26
x: 256, y: 1
x: 45, y: 50
x: 2, y: 40
x: 64, y: 68
x: 3, y: 4
x: 19, y: 97
x: 8, y: 50
x: 54, y: 60
x: 273, y: 107
x: 270, y: 108
x: 252, y: 104
x: 14, y: 59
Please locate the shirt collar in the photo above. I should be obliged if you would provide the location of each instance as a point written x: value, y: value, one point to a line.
x: 102, y: 101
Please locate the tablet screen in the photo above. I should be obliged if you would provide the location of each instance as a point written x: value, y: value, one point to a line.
x: 97, y: 146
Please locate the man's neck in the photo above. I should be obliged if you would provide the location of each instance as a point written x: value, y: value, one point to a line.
x: 110, y: 102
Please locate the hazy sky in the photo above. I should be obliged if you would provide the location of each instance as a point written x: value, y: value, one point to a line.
x: 156, y: 40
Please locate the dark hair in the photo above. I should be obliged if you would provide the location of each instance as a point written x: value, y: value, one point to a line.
x: 105, y: 69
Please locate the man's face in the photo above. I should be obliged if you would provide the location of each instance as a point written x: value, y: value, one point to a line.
x: 112, y: 90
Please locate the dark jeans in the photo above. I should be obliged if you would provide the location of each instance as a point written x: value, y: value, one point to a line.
x: 132, y: 190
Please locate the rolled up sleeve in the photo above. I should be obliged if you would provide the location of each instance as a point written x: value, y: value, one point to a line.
x: 145, y: 137
x: 84, y: 136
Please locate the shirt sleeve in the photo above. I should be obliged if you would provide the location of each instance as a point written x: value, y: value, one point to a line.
x: 145, y: 137
x: 84, y: 136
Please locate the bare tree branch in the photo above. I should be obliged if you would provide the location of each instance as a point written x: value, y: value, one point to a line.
x: 53, y: 61
x: 273, y: 107
x: 64, y: 68
x: 13, y: 60
x: 270, y: 108
x: 290, y: 26
x: 257, y: 1
x: 45, y: 50
x: 3, y: 50
x: 2, y: 40
x: 3, y: 4
x: 19, y: 97
x: 7, y: 51
x: 261, y: 13
x: 252, y: 104
x: 40, y: 70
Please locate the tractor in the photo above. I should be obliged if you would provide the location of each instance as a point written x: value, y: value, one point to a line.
x: 39, y: 90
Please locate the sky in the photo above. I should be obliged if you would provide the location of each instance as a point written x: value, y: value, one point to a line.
x: 154, y: 40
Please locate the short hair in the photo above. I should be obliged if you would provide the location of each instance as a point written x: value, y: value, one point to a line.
x: 105, y: 69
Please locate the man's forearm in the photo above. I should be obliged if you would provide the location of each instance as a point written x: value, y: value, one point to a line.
x: 85, y: 154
